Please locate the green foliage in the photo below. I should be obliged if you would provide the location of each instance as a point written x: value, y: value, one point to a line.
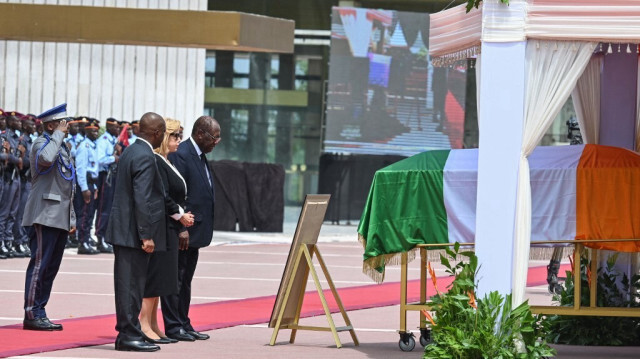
x: 475, y: 3
x: 494, y: 330
x: 614, y: 289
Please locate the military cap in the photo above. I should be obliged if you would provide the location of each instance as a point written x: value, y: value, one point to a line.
x: 15, y: 114
x: 81, y: 120
x: 112, y: 121
x: 92, y: 124
x: 55, y: 114
x: 28, y: 117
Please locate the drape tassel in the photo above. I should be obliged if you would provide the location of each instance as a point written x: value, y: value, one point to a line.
x: 454, y: 57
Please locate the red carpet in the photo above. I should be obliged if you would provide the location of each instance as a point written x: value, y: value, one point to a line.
x: 99, y: 330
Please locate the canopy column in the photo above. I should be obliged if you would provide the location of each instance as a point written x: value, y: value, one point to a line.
x: 502, y: 95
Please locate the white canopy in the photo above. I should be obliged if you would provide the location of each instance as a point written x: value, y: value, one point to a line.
x: 454, y: 34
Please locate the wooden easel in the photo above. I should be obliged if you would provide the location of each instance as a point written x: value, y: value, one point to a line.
x: 307, y: 251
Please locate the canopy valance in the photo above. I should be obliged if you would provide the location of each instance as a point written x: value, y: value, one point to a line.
x: 455, y: 35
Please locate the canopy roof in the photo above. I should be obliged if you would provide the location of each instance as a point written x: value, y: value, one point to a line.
x: 454, y: 34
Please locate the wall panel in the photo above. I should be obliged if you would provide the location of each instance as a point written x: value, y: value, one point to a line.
x: 104, y: 80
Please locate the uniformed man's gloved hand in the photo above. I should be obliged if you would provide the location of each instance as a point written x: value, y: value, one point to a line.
x: 86, y: 196
x: 62, y: 126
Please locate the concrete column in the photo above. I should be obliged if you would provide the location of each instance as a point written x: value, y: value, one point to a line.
x: 259, y: 78
x: 222, y: 112
x: 286, y: 81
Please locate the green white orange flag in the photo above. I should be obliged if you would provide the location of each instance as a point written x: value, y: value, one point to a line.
x: 578, y: 192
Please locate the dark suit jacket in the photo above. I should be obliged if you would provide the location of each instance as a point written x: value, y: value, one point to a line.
x: 176, y: 194
x: 200, y: 195
x: 138, y: 210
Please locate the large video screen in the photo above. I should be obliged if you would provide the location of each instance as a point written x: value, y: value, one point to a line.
x: 384, y: 97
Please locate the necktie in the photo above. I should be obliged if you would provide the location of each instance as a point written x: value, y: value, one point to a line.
x: 206, y: 166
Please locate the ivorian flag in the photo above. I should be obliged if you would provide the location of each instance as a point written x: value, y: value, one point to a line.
x: 577, y: 192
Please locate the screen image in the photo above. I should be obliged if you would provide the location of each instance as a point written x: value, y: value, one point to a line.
x: 384, y: 96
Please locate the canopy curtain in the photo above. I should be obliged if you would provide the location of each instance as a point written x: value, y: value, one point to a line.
x: 586, y: 101
x: 552, y: 71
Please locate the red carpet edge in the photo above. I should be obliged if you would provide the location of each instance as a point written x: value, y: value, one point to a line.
x: 99, y: 330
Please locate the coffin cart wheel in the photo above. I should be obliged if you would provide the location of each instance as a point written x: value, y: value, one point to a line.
x: 407, y: 342
x: 425, y: 337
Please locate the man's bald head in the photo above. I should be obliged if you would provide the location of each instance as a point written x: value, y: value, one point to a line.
x: 152, y: 127
x: 206, y: 133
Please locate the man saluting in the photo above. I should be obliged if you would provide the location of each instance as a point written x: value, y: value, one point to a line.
x: 49, y: 210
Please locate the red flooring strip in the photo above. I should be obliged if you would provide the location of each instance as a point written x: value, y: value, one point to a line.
x: 98, y: 330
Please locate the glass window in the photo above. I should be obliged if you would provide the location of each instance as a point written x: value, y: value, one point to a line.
x: 210, y: 71
x: 210, y: 64
x: 241, y: 64
x: 302, y: 67
x: 275, y: 65
x: 301, y: 85
x: 557, y: 134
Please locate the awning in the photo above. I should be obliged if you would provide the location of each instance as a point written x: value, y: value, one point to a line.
x: 216, y: 30
x: 456, y: 35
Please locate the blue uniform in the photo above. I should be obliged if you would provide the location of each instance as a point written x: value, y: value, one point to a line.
x: 74, y: 141
x: 87, y: 180
x: 10, y: 202
x: 20, y: 233
x: 106, y: 164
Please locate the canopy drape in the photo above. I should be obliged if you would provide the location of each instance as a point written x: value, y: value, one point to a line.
x: 552, y: 71
x: 586, y: 101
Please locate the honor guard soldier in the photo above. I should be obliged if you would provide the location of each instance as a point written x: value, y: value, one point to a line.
x: 75, y: 135
x: 19, y: 232
x: 49, y: 211
x: 4, y: 158
x: 87, y: 170
x: 107, y: 160
x: 73, y: 139
x: 135, y: 131
x: 10, y: 201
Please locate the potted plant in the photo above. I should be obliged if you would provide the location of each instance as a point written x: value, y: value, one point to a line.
x: 467, y: 328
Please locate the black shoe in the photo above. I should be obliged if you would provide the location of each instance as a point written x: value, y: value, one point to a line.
x: 197, y: 335
x: 182, y: 336
x: 21, y: 250
x: 85, y: 248
x: 135, y: 346
x: 171, y: 340
x: 2, y: 256
x: 103, y: 246
x: 12, y: 252
x: 164, y: 340
x: 3, y: 249
x: 26, y: 250
x: 73, y: 239
x: 40, y: 324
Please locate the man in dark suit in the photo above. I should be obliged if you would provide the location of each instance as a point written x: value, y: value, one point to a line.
x: 191, y: 162
x: 136, y: 228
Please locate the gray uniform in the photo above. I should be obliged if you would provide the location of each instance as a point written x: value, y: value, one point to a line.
x: 50, y: 201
